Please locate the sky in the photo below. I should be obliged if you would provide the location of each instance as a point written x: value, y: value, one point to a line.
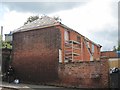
x: 95, y: 19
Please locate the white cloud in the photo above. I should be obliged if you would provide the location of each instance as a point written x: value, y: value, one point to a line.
x: 89, y: 19
x: 12, y: 20
x: 95, y: 16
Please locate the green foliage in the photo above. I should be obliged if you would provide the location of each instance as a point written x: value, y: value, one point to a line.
x: 6, y: 45
x: 0, y: 38
x: 31, y: 19
x: 57, y: 18
x: 0, y: 41
x: 116, y: 48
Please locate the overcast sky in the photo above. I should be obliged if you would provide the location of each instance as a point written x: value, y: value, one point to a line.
x: 95, y: 19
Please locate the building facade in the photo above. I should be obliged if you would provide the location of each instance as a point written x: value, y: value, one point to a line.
x: 8, y: 37
x: 113, y: 58
x: 39, y: 47
x: 76, y: 47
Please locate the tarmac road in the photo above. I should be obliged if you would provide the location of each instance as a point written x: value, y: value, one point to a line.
x: 12, y: 86
x: 7, y: 86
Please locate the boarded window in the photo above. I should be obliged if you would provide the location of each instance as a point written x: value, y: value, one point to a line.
x: 79, y: 39
x: 88, y: 44
x: 66, y: 35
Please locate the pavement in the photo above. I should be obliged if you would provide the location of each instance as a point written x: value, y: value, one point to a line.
x: 21, y: 86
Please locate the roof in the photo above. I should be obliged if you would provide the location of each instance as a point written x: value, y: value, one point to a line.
x: 10, y: 34
x: 42, y: 22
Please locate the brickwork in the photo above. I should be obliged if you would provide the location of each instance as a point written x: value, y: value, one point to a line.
x: 84, y: 54
x: 109, y: 54
x: 35, y: 54
x: 6, y: 57
x: 84, y: 75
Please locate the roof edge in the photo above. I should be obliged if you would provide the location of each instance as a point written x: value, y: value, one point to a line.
x: 80, y: 34
x: 56, y: 24
x: 30, y: 29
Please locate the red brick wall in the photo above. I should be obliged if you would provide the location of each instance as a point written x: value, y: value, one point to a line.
x: 84, y: 54
x: 82, y: 74
x: 62, y: 41
x: 35, y: 54
x: 109, y: 54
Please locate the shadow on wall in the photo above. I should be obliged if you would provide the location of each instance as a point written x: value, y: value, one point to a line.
x: 6, y: 59
x: 35, y: 54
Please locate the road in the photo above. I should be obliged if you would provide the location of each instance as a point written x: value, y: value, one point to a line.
x: 12, y: 86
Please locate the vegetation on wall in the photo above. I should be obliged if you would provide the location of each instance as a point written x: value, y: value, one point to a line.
x: 4, y: 44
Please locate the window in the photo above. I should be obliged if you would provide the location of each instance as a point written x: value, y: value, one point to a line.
x: 88, y: 44
x: 92, y: 48
x: 60, y: 56
x: 66, y: 35
x: 79, y: 39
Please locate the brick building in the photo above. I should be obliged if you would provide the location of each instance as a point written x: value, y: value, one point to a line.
x: 8, y: 37
x: 40, y: 45
x: 114, y: 58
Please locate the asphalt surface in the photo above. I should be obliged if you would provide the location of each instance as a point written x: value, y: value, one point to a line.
x: 12, y: 86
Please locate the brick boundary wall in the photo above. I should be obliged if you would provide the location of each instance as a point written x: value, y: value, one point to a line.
x: 92, y: 74
x: 6, y: 59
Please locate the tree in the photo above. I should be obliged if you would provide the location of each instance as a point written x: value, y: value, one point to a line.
x: 114, y: 48
x: 57, y: 18
x: 118, y: 48
x: 31, y: 19
x: 4, y: 44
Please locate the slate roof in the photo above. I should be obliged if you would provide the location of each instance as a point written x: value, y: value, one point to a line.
x: 42, y: 22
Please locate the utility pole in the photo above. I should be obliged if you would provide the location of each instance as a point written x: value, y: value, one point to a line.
x: 1, y: 33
